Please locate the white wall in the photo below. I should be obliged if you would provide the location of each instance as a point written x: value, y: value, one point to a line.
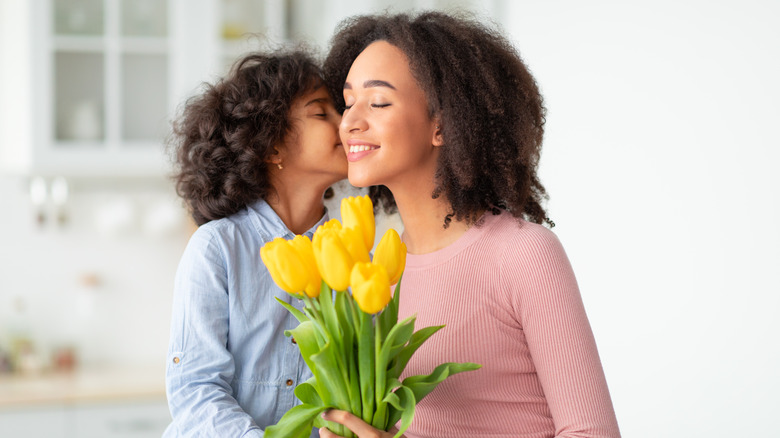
x: 101, y: 285
x: 660, y: 158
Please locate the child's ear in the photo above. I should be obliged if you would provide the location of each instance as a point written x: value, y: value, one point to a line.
x: 438, y: 138
x: 275, y: 158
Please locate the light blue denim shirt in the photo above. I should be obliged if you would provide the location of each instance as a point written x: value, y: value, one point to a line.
x: 231, y: 371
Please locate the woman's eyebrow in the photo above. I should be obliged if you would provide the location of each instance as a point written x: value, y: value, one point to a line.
x: 371, y: 83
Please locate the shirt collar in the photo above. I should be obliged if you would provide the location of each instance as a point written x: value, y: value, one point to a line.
x: 269, y: 224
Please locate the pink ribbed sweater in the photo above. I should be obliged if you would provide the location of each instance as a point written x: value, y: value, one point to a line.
x: 508, y: 296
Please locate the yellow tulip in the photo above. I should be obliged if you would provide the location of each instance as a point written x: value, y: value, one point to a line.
x: 332, y: 224
x: 391, y: 253
x: 303, y: 246
x: 353, y: 241
x: 358, y: 212
x: 285, y: 265
x: 370, y: 287
x: 332, y: 257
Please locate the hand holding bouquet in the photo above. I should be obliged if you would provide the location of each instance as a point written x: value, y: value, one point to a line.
x: 353, y: 343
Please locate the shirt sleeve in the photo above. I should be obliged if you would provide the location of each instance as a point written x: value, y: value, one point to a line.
x: 548, y: 305
x: 200, y: 368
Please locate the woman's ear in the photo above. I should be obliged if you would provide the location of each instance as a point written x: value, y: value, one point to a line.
x: 438, y: 138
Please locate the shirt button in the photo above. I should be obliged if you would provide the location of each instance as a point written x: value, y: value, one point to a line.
x: 293, y: 341
x: 290, y: 382
x: 176, y: 360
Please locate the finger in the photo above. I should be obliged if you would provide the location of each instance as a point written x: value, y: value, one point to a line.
x: 353, y: 423
x: 326, y: 433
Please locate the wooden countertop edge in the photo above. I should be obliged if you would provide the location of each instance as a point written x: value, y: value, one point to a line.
x: 85, y: 386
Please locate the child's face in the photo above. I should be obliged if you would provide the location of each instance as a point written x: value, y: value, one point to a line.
x: 313, y: 150
x: 386, y: 129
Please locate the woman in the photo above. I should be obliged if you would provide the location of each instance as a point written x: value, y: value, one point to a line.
x: 255, y: 153
x: 443, y: 113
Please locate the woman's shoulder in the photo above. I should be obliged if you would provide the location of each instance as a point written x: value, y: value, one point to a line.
x: 512, y: 230
x: 515, y: 240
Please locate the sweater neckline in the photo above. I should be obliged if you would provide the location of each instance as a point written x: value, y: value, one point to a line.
x: 419, y: 261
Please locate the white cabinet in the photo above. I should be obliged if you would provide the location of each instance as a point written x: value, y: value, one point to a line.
x: 88, y: 87
x: 34, y: 422
x: 147, y: 419
x: 115, y: 419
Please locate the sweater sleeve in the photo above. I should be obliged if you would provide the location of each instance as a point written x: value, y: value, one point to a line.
x: 548, y: 306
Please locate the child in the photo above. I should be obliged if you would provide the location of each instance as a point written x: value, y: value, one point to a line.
x: 254, y: 154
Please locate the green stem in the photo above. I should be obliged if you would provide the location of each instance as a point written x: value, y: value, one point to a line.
x: 380, y: 376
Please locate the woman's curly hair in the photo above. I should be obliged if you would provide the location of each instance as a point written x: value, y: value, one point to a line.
x: 491, y: 111
x: 223, y: 137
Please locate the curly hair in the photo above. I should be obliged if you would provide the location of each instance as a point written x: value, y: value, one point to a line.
x: 223, y: 136
x: 490, y: 109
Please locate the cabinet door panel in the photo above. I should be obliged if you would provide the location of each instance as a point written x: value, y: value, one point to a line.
x: 125, y: 420
x: 34, y: 423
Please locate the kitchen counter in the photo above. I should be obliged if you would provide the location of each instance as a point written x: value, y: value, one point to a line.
x: 82, y: 386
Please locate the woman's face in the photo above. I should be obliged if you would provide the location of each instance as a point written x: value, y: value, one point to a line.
x: 313, y: 150
x: 386, y: 129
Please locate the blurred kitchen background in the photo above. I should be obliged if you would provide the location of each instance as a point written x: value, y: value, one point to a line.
x: 660, y: 156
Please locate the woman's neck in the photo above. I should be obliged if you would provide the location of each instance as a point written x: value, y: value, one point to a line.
x: 298, y: 206
x: 423, y: 218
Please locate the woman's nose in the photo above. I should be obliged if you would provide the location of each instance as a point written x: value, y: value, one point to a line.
x: 353, y: 121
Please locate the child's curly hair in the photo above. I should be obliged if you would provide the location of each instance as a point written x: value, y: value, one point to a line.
x: 223, y: 137
x: 491, y: 111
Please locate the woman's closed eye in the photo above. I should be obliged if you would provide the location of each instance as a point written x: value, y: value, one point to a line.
x: 379, y: 105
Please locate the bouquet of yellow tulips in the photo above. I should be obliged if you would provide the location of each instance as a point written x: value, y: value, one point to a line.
x: 353, y: 342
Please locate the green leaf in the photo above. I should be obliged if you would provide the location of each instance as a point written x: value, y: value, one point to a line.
x: 306, y: 339
x: 335, y: 330
x: 366, y: 368
x: 330, y: 318
x: 389, y: 317
x: 392, y: 384
x: 307, y: 393
x: 402, y: 408
x: 417, y: 339
x: 349, y: 349
x: 326, y: 369
x: 295, y: 312
x: 396, y: 339
x: 296, y: 423
x: 422, y: 385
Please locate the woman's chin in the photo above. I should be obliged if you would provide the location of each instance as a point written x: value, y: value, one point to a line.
x: 359, y: 179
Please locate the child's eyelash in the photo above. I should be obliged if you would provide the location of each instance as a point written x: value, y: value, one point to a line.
x: 373, y: 105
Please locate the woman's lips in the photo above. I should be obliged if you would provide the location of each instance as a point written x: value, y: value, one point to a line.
x: 359, y: 150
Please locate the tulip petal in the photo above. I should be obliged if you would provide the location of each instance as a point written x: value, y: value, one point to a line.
x: 333, y: 259
x: 358, y: 212
x: 370, y: 287
x: 391, y: 253
x: 285, y: 265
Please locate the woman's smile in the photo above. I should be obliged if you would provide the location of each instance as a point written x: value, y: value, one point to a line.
x: 357, y: 150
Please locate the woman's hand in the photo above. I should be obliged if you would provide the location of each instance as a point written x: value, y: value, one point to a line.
x: 353, y: 423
